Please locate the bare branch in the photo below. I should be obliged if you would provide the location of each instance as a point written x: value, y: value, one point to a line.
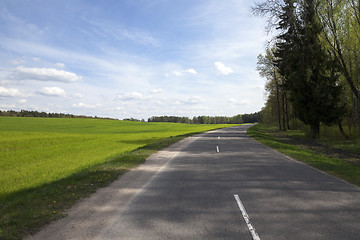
x: 271, y: 9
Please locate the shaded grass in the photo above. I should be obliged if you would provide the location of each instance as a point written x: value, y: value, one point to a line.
x: 49, y: 164
x: 351, y: 145
x: 331, y: 136
x: 334, y: 166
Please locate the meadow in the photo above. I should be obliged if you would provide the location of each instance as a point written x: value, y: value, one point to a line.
x: 47, y: 164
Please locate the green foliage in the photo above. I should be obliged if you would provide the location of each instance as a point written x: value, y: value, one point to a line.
x: 27, y: 113
x: 277, y: 106
x: 318, y: 56
x: 252, y: 117
x: 341, y: 31
x: 237, y: 119
x: 309, y: 72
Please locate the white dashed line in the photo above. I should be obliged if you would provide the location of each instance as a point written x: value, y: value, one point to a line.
x: 217, y: 149
x: 254, y: 235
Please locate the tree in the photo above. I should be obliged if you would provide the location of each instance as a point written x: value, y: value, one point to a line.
x: 341, y: 34
x: 336, y: 16
x: 310, y: 74
x: 267, y: 68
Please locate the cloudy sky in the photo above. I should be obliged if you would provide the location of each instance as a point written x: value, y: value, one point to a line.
x: 131, y: 58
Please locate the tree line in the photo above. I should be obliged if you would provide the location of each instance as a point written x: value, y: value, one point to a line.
x: 237, y: 119
x: 27, y: 113
x: 312, y: 66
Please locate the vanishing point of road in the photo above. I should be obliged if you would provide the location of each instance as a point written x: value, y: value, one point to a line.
x: 217, y: 185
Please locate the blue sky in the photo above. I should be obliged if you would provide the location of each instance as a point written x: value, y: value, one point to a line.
x: 131, y: 58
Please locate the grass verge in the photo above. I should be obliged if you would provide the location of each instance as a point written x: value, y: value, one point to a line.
x: 335, y: 166
x: 26, y: 211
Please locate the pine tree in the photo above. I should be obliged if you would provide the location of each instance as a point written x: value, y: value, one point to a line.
x: 310, y: 74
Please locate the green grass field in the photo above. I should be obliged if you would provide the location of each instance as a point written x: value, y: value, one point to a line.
x: 47, y: 163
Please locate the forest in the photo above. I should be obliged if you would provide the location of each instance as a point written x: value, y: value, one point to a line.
x: 312, y: 64
x: 237, y: 119
x: 27, y: 113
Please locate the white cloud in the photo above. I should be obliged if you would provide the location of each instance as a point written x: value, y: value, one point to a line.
x: 191, y: 70
x: 5, y: 82
x: 9, y: 92
x: 156, y: 91
x: 7, y: 106
x: 191, y: 100
x: 60, y: 65
x: 177, y: 73
x: 17, y: 61
x: 245, y: 102
x: 132, y: 73
x: 22, y: 101
x: 52, y: 91
x: 43, y: 74
x: 84, y: 105
x: 239, y: 102
x: 111, y: 30
x: 222, y: 68
x: 131, y: 96
x: 78, y: 95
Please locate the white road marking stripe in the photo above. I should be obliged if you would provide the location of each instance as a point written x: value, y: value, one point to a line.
x: 254, y: 235
x: 217, y: 149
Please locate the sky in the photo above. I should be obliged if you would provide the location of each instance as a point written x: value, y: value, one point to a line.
x: 131, y: 58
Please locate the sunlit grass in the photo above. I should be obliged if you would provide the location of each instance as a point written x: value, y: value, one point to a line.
x: 35, y: 151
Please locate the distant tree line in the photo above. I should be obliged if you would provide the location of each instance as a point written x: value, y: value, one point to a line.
x: 238, y: 119
x: 133, y: 120
x: 252, y: 117
x: 26, y: 113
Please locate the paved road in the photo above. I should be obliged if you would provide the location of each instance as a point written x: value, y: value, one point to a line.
x: 192, y: 196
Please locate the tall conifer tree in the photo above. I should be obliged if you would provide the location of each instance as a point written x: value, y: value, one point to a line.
x: 310, y: 74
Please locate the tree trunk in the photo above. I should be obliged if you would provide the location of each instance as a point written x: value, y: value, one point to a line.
x: 287, y: 112
x: 347, y: 75
x: 294, y: 119
x: 283, y: 110
x: 315, y: 130
x: 342, y: 130
x: 278, y: 101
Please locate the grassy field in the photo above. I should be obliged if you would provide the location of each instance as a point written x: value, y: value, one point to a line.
x: 332, y: 156
x: 47, y: 164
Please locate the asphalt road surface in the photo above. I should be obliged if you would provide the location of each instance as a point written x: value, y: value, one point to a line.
x: 218, y: 185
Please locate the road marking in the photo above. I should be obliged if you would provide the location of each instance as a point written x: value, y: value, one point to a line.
x: 217, y: 149
x: 218, y: 137
x: 254, y: 235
